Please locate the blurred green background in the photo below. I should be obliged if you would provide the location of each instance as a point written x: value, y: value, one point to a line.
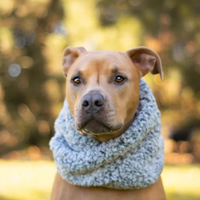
x: 33, y: 35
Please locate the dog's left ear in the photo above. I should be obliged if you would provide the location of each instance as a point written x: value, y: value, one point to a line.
x: 69, y: 56
x: 146, y: 60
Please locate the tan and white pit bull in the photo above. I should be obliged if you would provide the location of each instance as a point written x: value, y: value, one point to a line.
x: 96, y: 84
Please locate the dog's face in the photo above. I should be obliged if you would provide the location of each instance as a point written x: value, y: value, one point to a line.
x: 102, y: 88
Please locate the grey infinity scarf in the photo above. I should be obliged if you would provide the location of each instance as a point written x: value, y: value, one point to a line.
x: 131, y: 161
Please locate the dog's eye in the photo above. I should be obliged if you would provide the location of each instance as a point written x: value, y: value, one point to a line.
x: 77, y: 80
x: 119, y: 79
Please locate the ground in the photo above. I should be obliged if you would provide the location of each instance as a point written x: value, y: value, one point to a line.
x: 31, y: 180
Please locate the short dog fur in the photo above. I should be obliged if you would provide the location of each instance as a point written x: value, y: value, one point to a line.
x: 96, y: 84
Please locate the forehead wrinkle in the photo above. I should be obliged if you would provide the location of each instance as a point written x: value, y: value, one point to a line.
x: 98, y: 77
x: 98, y: 67
x: 78, y: 73
x: 115, y: 69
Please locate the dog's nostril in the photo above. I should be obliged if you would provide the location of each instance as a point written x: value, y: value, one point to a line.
x: 98, y: 103
x: 85, y: 104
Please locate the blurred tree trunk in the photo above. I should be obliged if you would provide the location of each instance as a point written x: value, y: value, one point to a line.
x: 24, y: 96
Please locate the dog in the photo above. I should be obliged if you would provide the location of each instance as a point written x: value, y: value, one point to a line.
x: 102, y: 91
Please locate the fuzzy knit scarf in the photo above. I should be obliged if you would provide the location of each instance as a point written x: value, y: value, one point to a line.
x: 131, y: 161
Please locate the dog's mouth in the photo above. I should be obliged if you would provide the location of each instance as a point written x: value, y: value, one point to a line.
x: 94, y: 127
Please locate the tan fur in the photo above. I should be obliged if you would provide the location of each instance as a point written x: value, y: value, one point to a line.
x: 62, y: 190
x: 97, y: 70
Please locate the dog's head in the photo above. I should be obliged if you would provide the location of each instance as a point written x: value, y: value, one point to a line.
x: 102, y: 87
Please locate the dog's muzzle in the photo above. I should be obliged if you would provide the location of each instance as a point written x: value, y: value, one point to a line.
x: 94, y: 117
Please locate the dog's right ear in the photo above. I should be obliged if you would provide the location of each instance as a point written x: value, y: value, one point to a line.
x: 69, y: 56
x: 146, y: 60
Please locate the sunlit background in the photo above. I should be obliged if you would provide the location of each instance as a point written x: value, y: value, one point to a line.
x: 33, y: 34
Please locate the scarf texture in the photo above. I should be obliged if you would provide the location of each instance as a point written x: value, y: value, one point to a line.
x: 131, y: 161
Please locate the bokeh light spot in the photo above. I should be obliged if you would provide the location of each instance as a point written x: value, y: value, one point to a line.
x: 20, y: 42
x: 14, y: 70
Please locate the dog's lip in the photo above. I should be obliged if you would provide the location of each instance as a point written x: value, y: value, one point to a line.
x: 104, y: 131
x: 91, y: 129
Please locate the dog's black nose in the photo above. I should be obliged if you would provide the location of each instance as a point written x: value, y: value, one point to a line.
x: 92, y: 102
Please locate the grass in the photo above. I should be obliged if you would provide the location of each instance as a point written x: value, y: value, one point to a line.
x: 26, y: 180
x: 31, y: 180
x: 182, y: 182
